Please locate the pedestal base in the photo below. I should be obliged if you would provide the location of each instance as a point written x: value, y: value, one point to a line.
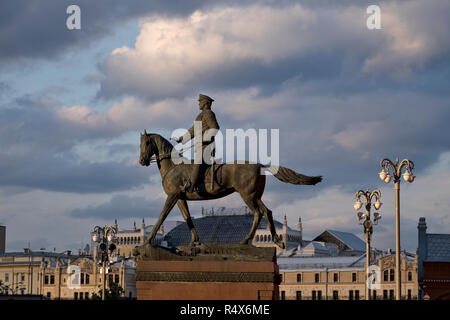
x: 214, y: 272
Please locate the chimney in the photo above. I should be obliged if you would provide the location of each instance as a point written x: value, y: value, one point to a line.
x: 285, y: 223
x: 422, y: 250
x: 134, y: 226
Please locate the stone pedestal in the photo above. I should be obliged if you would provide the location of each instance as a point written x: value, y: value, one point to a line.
x: 207, y: 272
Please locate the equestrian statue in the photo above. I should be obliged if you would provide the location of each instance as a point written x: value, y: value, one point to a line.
x: 188, y: 181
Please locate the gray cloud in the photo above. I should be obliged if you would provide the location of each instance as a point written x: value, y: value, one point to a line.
x: 37, y: 152
x: 121, y: 206
x: 225, y: 48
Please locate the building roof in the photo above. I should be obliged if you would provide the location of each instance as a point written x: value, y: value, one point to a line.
x: 230, y: 229
x: 349, y: 239
x: 295, y: 262
x: 438, y: 247
x: 39, y: 254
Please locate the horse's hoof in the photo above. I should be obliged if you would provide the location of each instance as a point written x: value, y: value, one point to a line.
x: 280, y: 244
x: 244, y: 242
x: 194, y: 243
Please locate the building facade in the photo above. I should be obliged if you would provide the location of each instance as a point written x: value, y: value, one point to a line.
x: 343, y: 277
x: 434, y: 263
x: 20, y: 271
x: 81, y: 278
x: 2, y: 239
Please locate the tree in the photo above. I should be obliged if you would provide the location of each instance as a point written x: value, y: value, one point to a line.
x: 114, y: 292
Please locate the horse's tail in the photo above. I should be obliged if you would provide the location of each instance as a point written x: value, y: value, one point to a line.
x: 290, y: 176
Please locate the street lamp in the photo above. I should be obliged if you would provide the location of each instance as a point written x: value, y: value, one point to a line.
x: 385, y: 175
x: 365, y: 220
x: 106, y: 237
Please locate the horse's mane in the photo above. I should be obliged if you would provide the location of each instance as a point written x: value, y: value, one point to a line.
x: 163, y: 145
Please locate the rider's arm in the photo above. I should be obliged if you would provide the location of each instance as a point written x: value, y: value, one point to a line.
x: 190, y: 133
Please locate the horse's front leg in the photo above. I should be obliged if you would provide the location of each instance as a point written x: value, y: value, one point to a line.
x: 168, y: 206
x: 182, y: 204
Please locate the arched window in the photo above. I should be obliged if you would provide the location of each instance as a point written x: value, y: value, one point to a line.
x: 391, y: 275
x: 265, y: 238
x: 270, y: 238
x: 385, y: 276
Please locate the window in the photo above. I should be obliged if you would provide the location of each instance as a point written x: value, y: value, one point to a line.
x: 49, y: 294
x: 313, y: 295
x: 75, y: 295
x: 81, y: 282
x: 391, y: 294
x: 350, y: 295
x: 409, y: 294
x: 385, y: 294
x: 299, y: 277
x: 283, y: 295
x: 374, y: 295
x: 316, y: 277
x: 116, y: 278
x: 391, y: 275
x: 52, y: 279
x: 87, y: 278
x: 356, y: 294
x: 281, y: 277
x: 6, y: 277
x: 46, y: 279
x: 81, y: 295
x: 86, y: 295
x: 335, y: 277
x: 409, y: 276
x: 298, y: 295
x: 335, y: 295
x: 22, y: 277
x: 385, y: 276
x: 319, y: 295
x: 354, y: 277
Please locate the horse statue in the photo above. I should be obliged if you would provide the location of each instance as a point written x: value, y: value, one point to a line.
x: 246, y: 179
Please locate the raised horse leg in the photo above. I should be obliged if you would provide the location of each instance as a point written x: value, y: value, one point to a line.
x: 268, y: 214
x: 251, y: 203
x: 168, y: 206
x: 182, y: 204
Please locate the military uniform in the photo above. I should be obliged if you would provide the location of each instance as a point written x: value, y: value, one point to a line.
x: 208, y: 120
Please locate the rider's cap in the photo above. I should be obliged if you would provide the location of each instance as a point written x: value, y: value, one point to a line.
x: 202, y: 97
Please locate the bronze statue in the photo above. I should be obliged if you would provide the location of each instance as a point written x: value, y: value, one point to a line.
x: 246, y: 179
x: 208, y: 121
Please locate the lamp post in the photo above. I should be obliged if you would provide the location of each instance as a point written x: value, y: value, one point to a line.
x: 366, y: 220
x: 106, y: 237
x: 397, y: 167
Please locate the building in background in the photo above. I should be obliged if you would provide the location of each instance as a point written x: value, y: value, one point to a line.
x: 230, y: 226
x: 81, y: 278
x: 2, y: 239
x: 128, y: 239
x: 20, y: 271
x: 342, y: 277
x: 433, y: 263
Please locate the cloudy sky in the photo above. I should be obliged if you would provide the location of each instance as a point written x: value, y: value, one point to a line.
x: 73, y: 102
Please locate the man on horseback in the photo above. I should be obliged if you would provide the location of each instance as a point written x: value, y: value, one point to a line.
x: 205, y: 121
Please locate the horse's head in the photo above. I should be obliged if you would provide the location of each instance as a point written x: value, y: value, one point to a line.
x: 146, y: 149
